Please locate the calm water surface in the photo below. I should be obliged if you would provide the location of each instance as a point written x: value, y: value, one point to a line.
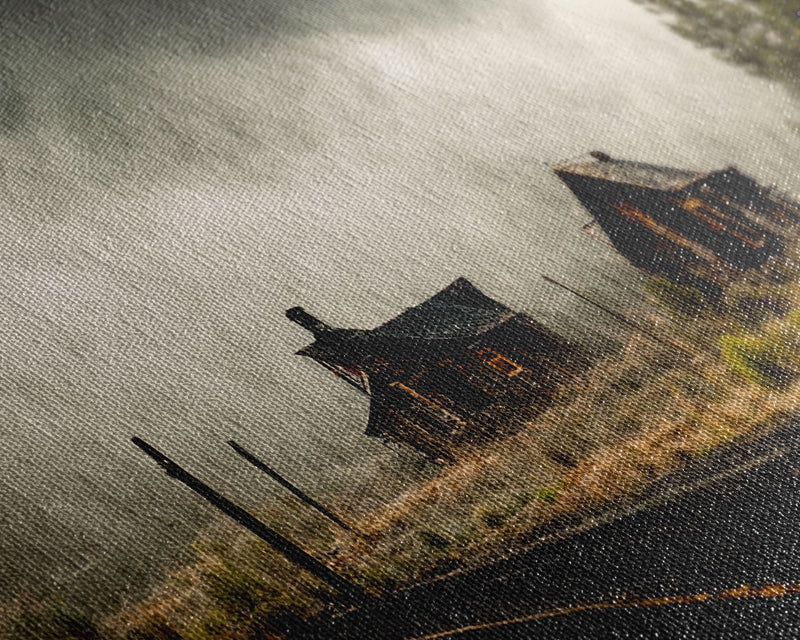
x: 174, y: 179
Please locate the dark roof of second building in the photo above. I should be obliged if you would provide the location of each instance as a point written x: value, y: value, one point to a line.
x: 639, y: 174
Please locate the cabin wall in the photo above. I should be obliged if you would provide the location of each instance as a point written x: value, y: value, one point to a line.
x: 635, y: 233
x: 476, y: 391
x: 694, y: 213
x: 758, y: 204
x: 708, y: 219
x: 692, y: 236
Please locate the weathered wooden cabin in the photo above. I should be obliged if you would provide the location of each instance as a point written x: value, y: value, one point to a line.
x: 448, y: 374
x: 698, y: 228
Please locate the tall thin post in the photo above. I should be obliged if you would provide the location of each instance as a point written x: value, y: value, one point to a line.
x: 285, y: 483
x: 616, y: 315
x: 283, y: 546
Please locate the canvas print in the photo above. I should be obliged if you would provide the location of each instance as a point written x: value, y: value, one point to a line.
x: 368, y: 319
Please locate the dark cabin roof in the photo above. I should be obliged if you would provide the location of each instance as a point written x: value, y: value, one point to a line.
x: 602, y: 167
x: 458, y: 311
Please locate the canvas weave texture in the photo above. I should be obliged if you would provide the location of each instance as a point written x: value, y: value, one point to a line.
x: 370, y: 319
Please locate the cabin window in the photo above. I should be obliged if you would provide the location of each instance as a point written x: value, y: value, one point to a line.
x: 500, y: 362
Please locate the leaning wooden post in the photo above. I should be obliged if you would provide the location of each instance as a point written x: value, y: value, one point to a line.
x: 618, y: 316
x: 289, y: 550
x: 285, y: 483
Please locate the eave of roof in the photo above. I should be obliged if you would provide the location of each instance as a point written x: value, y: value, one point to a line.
x: 637, y: 174
x: 457, y: 312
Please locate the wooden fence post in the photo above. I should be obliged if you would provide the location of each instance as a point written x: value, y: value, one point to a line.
x: 285, y: 483
x: 282, y: 545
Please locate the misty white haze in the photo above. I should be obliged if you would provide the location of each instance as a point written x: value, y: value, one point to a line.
x: 173, y: 179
